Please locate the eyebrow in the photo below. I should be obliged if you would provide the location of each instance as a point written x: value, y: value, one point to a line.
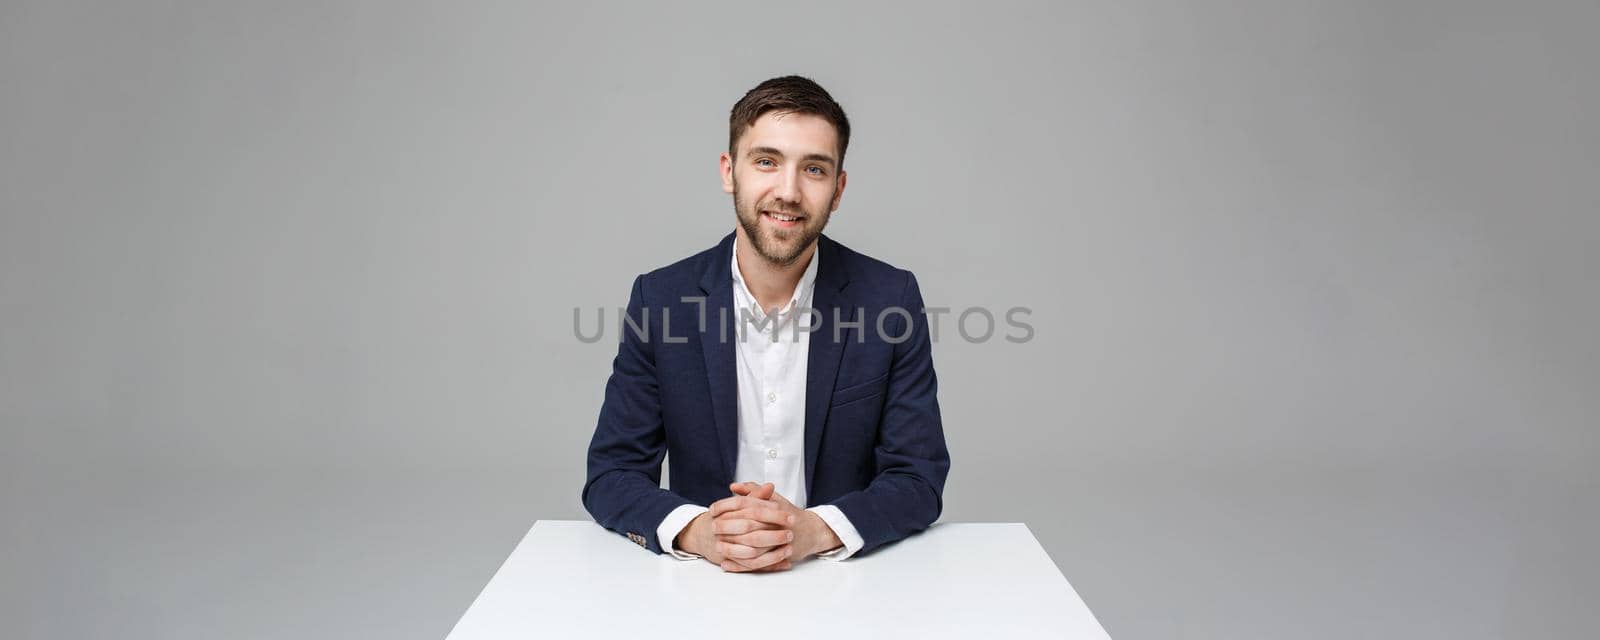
x: 815, y: 157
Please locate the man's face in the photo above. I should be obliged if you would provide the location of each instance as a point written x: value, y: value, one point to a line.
x: 785, y: 182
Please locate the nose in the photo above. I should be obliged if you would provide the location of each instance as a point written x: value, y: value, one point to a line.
x: 788, y: 188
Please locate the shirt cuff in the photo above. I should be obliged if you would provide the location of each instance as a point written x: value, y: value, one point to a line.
x: 674, y: 524
x: 841, y: 527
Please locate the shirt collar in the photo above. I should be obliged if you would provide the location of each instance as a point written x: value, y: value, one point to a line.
x: 802, y: 289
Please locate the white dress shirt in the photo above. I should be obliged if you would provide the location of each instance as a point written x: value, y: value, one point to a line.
x: 771, y: 356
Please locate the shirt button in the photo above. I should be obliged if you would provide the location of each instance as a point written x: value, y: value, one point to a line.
x: 772, y: 397
x: 772, y: 454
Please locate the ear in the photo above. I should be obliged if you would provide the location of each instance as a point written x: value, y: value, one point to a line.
x: 726, y: 163
x: 838, y: 193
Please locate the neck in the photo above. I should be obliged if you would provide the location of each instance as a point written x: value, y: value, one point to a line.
x: 771, y: 284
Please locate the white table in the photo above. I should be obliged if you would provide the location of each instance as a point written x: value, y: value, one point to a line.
x: 574, y: 579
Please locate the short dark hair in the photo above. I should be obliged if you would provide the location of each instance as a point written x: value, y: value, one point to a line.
x: 793, y: 94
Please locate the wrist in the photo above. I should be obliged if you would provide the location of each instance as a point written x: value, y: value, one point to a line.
x: 687, y: 540
x: 822, y: 538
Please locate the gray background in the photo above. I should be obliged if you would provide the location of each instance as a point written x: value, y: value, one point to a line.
x: 287, y: 342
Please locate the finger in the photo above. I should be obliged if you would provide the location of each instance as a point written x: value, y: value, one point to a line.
x: 786, y: 565
x: 738, y: 566
x: 730, y: 526
x: 761, y: 538
x: 758, y: 491
x: 776, y: 555
x: 730, y: 504
x: 737, y: 552
x: 767, y: 514
x: 735, y: 503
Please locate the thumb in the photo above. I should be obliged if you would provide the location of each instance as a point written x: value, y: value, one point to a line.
x: 765, y: 492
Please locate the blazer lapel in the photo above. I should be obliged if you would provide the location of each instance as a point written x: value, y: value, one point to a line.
x: 824, y: 352
x: 717, y: 343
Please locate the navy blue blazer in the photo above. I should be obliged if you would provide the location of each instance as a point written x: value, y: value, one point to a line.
x: 874, y: 443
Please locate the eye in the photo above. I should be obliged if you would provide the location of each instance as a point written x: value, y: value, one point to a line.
x: 816, y: 170
x: 764, y: 162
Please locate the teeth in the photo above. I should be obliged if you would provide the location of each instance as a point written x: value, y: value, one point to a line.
x: 782, y: 217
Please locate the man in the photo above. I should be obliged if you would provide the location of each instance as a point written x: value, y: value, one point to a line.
x: 779, y: 369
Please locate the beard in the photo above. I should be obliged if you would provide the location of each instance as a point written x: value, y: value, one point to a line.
x: 781, y: 247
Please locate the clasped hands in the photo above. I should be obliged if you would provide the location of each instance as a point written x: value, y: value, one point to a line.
x: 756, y: 530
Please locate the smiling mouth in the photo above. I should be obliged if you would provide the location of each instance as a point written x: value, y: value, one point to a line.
x: 782, y: 219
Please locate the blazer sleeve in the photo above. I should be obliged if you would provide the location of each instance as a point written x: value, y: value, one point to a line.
x: 623, y: 487
x: 905, y: 495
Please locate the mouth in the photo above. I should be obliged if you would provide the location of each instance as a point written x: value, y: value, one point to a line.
x: 783, y: 220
